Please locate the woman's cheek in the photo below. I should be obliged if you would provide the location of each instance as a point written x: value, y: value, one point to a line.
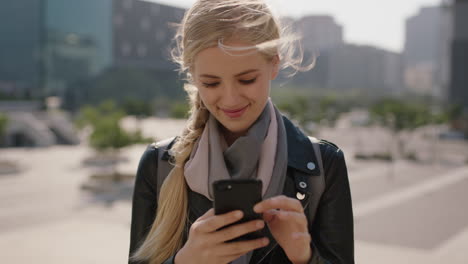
x: 205, y: 97
x: 211, y: 101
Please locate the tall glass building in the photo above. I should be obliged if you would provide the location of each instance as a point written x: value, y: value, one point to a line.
x: 20, y: 46
x: 78, y: 41
x: 459, y: 65
x: 63, y: 47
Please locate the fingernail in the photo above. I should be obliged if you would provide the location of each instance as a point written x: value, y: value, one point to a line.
x: 238, y: 214
x: 265, y: 241
x: 256, y: 208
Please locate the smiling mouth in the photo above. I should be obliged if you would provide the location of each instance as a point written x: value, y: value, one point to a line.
x: 235, y: 112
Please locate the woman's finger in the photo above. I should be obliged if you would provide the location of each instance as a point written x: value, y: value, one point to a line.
x: 238, y: 230
x: 292, y: 216
x: 279, y: 202
x: 207, y: 214
x: 215, y: 222
x: 293, y: 219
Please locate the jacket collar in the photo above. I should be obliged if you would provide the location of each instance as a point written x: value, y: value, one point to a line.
x: 301, y: 155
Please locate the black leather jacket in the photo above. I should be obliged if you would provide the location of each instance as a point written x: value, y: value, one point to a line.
x: 331, y: 229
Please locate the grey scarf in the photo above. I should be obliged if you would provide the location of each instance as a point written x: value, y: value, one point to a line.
x: 238, y: 161
x: 242, y: 157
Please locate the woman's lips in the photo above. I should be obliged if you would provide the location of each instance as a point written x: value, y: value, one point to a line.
x: 235, y: 113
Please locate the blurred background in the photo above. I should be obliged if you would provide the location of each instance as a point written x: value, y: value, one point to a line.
x: 86, y: 85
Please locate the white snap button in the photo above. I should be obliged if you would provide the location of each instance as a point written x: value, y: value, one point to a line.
x: 302, y: 184
x: 311, y: 166
x: 300, y: 196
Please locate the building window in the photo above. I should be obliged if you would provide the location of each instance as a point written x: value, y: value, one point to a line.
x: 118, y: 20
x: 142, y: 50
x: 160, y: 35
x: 126, y: 49
x: 145, y: 24
x: 155, y: 8
x: 127, y: 4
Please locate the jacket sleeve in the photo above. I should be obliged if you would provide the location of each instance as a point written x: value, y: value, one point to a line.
x: 333, y: 229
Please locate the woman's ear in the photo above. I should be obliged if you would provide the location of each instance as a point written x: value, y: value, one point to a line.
x: 275, y: 67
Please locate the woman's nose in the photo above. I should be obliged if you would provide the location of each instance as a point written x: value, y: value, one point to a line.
x: 231, y: 95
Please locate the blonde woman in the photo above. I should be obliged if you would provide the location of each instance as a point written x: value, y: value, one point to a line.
x: 230, y: 51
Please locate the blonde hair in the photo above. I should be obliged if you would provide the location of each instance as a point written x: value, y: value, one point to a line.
x: 207, y: 24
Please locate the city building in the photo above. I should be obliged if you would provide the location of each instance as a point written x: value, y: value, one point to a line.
x: 343, y: 66
x: 355, y: 68
x: 319, y: 32
x: 56, y: 47
x: 427, y: 51
x: 444, y: 50
x: 458, y: 92
x: 142, y: 33
x: 78, y: 42
x: 365, y: 68
x: 20, y: 45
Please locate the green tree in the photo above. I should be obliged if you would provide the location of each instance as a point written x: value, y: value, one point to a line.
x: 297, y: 107
x: 329, y: 109
x: 399, y: 115
x: 319, y: 109
x: 91, y: 115
x: 3, y: 126
x: 107, y: 134
x: 179, y: 110
x: 137, y: 107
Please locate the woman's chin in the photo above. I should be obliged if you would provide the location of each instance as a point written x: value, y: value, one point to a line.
x: 238, y: 126
x: 234, y: 129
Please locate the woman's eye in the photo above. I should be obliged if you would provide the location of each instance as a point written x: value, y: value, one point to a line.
x: 248, y: 81
x: 211, y: 84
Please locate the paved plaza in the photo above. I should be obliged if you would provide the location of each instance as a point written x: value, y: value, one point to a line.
x: 406, y: 212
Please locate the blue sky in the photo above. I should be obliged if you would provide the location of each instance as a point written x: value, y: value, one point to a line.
x: 373, y: 22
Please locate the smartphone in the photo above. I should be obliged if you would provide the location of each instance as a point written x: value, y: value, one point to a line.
x: 230, y: 195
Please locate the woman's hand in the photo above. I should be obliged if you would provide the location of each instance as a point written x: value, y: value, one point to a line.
x: 206, y: 245
x: 288, y: 225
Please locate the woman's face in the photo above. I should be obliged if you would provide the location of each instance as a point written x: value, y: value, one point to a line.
x: 235, y: 89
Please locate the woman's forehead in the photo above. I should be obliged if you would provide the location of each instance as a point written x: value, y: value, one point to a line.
x: 215, y: 60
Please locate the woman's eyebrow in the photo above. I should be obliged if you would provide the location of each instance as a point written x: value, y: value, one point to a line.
x: 246, y: 72
x: 237, y: 75
x: 209, y: 76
